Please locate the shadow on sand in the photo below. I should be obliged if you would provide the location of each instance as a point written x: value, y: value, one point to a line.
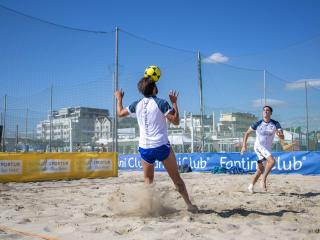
x: 304, y: 195
x: 244, y: 212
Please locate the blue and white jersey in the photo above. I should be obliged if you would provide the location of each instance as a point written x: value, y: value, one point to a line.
x: 265, y: 132
x: 151, y: 115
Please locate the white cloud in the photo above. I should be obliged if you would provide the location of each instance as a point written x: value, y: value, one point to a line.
x: 216, y: 58
x: 301, y: 84
x: 269, y: 101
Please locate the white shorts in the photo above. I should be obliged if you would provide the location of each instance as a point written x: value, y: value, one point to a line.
x: 262, y: 152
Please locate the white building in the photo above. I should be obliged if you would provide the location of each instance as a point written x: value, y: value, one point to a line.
x: 76, y: 123
x: 190, y: 128
x: 102, y: 128
x: 235, y: 124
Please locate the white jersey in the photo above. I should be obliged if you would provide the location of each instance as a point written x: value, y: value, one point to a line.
x: 265, y: 132
x: 151, y: 115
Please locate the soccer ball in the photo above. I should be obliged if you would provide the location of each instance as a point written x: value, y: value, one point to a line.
x: 153, y: 72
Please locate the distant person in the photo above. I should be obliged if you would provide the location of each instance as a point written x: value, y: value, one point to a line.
x: 102, y: 148
x: 265, y: 129
x: 151, y: 113
x: 78, y: 148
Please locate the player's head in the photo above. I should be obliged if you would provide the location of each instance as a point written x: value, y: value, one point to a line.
x: 267, y: 107
x: 267, y: 111
x: 147, y: 87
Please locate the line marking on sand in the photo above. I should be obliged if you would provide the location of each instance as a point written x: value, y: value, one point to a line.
x: 7, y: 229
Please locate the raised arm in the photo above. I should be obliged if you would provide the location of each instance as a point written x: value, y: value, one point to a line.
x: 173, y: 116
x: 245, y: 140
x: 122, y: 112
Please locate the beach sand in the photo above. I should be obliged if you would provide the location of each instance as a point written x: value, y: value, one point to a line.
x: 122, y: 208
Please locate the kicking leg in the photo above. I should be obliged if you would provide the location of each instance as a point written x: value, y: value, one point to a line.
x: 172, y: 168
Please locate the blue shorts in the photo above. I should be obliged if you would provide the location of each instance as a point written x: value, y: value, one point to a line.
x: 150, y: 155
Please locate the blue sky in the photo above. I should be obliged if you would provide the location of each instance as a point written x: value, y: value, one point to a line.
x: 247, y: 36
x: 228, y: 26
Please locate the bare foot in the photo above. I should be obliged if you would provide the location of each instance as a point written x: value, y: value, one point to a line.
x: 263, y: 186
x: 193, y: 208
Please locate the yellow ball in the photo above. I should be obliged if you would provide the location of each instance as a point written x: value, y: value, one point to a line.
x: 153, y: 72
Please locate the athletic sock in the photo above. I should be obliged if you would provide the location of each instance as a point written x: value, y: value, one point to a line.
x: 250, y: 188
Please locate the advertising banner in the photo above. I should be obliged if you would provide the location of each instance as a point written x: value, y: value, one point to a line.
x: 23, y: 167
x: 306, y: 163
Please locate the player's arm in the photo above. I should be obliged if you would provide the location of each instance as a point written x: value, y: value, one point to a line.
x: 122, y: 112
x: 280, y: 135
x: 285, y: 146
x: 245, y: 140
x: 173, y: 116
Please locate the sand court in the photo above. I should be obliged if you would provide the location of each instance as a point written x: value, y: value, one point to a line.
x: 122, y: 208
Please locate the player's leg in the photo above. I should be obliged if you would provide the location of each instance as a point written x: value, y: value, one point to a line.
x: 268, y: 168
x: 147, y: 161
x: 269, y: 165
x: 170, y: 163
x: 259, y: 171
x: 148, y: 172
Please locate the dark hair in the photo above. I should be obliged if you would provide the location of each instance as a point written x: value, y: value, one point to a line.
x: 270, y: 108
x: 146, y: 86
